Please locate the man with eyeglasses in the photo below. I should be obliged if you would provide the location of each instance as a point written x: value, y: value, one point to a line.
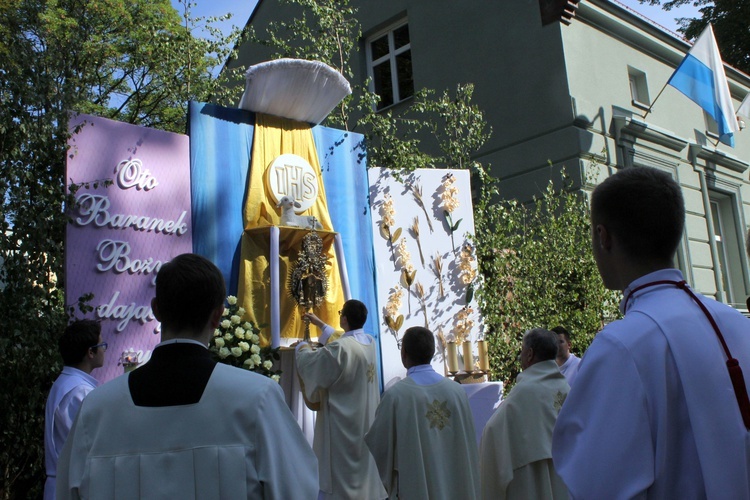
x: 82, y: 350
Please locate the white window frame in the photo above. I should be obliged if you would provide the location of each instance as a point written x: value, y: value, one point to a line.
x: 730, y: 246
x: 712, y: 128
x: 390, y: 57
x: 638, y: 88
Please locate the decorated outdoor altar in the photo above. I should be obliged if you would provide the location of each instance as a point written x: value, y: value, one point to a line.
x: 288, y: 211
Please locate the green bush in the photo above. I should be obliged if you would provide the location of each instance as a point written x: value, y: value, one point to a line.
x: 537, y: 271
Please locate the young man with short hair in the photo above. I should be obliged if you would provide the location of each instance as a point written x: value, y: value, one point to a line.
x: 657, y: 410
x: 566, y: 361
x: 82, y: 350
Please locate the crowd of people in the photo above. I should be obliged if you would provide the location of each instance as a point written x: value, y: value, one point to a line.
x: 657, y: 407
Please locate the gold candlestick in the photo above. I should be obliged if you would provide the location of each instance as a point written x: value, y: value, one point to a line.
x: 484, y: 360
x: 452, y: 357
x: 468, y: 356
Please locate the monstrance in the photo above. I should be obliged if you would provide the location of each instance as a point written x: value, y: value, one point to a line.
x: 308, y: 283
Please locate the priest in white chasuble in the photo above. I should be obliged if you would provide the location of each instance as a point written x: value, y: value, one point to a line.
x: 516, y: 448
x: 423, y: 436
x: 341, y: 379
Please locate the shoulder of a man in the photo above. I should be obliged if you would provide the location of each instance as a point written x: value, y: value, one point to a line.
x: 404, y: 388
x: 108, y: 392
x: 632, y: 333
x: 241, y: 383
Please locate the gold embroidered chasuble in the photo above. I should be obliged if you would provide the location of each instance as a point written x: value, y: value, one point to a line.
x: 342, y: 377
x: 516, y: 448
x: 424, y: 443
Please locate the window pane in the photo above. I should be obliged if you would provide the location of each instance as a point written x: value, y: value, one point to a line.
x: 401, y: 36
x: 405, y: 80
x: 723, y: 264
x: 711, y: 125
x: 633, y: 89
x: 379, y: 47
x: 383, y: 84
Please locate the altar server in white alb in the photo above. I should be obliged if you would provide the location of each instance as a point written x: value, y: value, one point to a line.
x: 423, y: 437
x: 342, y: 378
x: 659, y: 408
x: 181, y: 425
x: 517, y: 440
x: 82, y: 350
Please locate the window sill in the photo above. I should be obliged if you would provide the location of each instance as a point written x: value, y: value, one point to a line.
x: 391, y: 106
x: 640, y: 105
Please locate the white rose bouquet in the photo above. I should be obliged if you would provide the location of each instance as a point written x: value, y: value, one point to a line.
x: 237, y: 343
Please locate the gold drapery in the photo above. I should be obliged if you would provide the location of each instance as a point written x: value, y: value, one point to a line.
x: 275, y: 136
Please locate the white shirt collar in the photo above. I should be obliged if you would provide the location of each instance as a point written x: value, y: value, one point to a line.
x: 661, y: 274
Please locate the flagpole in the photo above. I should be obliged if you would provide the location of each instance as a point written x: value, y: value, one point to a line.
x: 654, y: 101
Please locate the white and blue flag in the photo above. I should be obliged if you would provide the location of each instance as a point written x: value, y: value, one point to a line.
x: 700, y: 76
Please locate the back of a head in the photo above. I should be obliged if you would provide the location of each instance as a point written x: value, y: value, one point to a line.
x: 543, y: 342
x: 644, y: 207
x: 560, y: 330
x: 355, y: 313
x: 419, y: 345
x: 188, y: 289
x: 77, y: 339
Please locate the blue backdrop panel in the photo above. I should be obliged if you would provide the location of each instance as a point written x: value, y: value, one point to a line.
x: 220, y: 148
x: 344, y: 170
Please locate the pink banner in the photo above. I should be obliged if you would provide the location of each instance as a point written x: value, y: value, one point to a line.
x: 132, y: 213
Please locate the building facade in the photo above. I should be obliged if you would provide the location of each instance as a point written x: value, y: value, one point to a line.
x: 568, y: 83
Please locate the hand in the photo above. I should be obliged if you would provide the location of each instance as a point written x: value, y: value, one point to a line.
x: 314, y: 319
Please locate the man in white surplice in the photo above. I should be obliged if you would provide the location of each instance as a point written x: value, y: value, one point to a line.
x: 516, y: 445
x: 182, y: 425
x: 423, y: 436
x: 342, y: 377
x: 654, y: 412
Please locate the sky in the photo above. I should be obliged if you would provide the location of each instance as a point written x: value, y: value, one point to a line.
x: 661, y: 16
x: 240, y: 10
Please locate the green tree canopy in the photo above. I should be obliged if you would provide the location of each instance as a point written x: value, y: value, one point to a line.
x: 729, y: 18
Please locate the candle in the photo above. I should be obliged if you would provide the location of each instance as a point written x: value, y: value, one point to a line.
x: 452, y: 357
x: 468, y: 356
x: 484, y: 361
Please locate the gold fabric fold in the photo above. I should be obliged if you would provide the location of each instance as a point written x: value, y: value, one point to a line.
x: 275, y: 136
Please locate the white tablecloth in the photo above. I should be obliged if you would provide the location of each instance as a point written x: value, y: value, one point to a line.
x: 293, y: 395
x: 484, y: 399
